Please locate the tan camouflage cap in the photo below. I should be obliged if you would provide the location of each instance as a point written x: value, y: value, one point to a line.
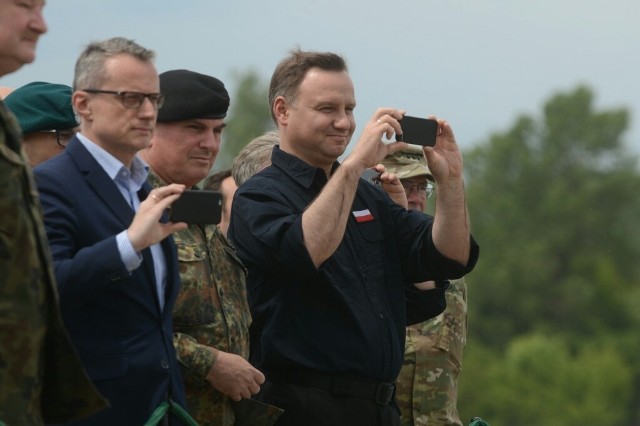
x: 408, y: 163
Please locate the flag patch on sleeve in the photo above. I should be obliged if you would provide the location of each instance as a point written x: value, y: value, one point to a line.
x: 363, y: 216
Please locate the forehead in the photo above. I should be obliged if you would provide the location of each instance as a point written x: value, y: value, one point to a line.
x: 210, y: 123
x: 130, y: 73
x: 182, y: 128
x: 321, y: 84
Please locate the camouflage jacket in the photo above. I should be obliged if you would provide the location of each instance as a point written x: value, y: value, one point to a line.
x: 211, y: 311
x: 41, y: 378
x: 428, y: 381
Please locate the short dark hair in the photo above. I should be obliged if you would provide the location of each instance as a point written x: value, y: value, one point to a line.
x: 89, y: 70
x: 290, y: 72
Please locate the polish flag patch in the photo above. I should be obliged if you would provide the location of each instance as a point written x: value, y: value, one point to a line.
x: 363, y: 216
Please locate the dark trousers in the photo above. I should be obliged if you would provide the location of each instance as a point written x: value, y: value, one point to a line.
x: 308, y: 405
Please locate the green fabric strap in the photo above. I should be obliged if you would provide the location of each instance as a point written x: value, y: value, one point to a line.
x: 477, y: 421
x: 159, y: 413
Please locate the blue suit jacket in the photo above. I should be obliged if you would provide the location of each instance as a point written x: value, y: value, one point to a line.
x: 113, y: 316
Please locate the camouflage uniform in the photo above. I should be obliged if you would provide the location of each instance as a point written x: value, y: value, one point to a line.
x: 41, y: 378
x: 428, y: 382
x: 211, y: 311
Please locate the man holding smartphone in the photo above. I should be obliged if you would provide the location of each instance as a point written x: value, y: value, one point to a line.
x: 329, y: 256
x: 211, y: 317
x: 115, y: 262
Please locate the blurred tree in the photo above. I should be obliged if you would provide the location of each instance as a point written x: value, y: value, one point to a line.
x: 554, y: 206
x: 249, y: 116
x: 540, y: 381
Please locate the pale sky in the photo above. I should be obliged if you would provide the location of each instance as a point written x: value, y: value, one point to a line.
x: 477, y: 63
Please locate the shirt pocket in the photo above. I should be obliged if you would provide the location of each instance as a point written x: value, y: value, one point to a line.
x: 194, y: 304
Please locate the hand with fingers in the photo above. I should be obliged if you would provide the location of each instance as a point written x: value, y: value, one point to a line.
x: 392, y: 185
x: 370, y: 149
x: 146, y: 228
x: 234, y: 376
x: 444, y: 159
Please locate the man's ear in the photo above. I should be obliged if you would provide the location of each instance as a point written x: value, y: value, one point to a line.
x: 81, y: 105
x: 281, y: 110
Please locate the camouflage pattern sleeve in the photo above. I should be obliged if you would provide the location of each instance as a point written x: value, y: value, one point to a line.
x: 41, y: 378
x: 194, y: 357
x: 211, y: 314
x: 428, y: 381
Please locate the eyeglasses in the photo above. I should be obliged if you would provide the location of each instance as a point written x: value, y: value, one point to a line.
x: 62, y: 136
x: 133, y: 99
x: 424, y: 189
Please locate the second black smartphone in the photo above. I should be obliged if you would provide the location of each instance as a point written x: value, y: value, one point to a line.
x: 418, y: 131
x: 197, y: 206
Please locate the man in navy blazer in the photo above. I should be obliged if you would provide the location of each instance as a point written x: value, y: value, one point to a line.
x: 115, y: 262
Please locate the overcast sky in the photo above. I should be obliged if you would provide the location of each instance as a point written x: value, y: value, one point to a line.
x: 477, y: 63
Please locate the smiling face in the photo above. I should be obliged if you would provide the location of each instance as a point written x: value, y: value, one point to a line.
x: 317, y: 126
x: 184, y: 151
x: 21, y: 25
x: 106, y: 121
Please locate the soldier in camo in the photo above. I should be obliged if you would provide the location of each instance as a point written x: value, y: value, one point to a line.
x: 427, y: 386
x: 41, y: 378
x: 211, y: 315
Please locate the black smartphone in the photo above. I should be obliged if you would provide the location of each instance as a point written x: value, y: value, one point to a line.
x: 197, y: 206
x: 418, y: 131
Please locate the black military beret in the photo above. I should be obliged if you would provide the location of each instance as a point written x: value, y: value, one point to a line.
x: 192, y: 95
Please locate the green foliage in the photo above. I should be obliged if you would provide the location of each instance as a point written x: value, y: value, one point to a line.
x: 249, y: 116
x: 540, y: 381
x: 553, y: 319
x: 552, y: 205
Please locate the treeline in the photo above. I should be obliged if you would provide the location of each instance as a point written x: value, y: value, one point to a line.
x: 553, y: 303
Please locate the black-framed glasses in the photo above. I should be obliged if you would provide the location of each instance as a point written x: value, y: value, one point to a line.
x: 62, y: 136
x: 424, y: 189
x: 133, y: 99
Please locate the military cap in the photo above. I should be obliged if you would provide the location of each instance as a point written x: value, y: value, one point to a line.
x: 42, y: 106
x: 408, y: 163
x: 192, y: 95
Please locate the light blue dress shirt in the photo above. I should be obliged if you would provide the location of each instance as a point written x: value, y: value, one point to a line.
x: 129, y: 183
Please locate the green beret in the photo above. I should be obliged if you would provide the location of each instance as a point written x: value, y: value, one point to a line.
x: 192, y: 95
x: 408, y: 163
x: 42, y: 106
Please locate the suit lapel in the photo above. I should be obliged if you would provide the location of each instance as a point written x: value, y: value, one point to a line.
x: 106, y: 189
x: 100, y: 182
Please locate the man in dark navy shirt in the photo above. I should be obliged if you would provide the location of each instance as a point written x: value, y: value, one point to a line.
x: 329, y: 256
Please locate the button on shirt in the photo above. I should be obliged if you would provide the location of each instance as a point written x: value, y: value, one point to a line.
x: 129, y: 182
x: 349, y: 315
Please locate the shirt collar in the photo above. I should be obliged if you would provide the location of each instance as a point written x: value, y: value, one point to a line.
x: 114, y: 167
x: 299, y: 170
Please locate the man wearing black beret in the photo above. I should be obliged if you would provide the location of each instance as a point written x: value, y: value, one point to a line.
x: 46, y: 117
x: 211, y: 316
